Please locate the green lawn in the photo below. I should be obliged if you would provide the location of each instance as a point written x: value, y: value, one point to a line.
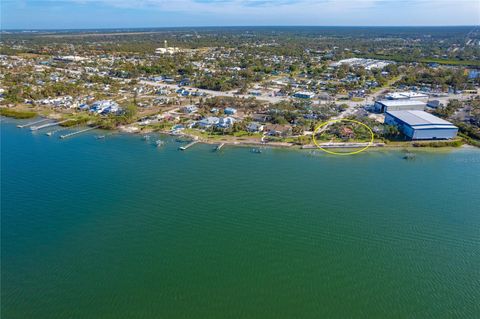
x: 17, y: 114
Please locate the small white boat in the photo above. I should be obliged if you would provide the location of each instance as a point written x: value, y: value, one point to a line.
x: 409, y: 156
x: 99, y: 137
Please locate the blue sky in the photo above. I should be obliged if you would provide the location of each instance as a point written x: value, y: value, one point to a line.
x: 51, y: 14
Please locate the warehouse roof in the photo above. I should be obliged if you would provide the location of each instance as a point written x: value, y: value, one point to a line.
x: 405, y: 95
x: 420, y: 118
x: 401, y: 102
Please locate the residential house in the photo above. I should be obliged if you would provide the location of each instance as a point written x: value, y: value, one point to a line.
x: 254, y: 127
x: 208, y: 122
x: 226, y: 122
x: 304, y: 95
x: 190, y: 109
x: 230, y: 111
x: 278, y: 130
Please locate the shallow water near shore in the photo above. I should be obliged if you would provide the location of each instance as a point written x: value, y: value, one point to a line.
x: 119, y: 228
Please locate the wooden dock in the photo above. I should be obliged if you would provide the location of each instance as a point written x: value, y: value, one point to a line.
x: 78, y: 132
x: 219, y: 147
x: 33, y: 123
x: 36, y: 128
x: 183, y: 148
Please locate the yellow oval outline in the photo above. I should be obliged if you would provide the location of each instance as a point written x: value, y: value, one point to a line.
x: 342, y: 120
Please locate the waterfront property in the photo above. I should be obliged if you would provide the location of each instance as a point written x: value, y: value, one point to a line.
x: 208, y: 122
x: 278, y: 130
x: 226, y: 122
x: 105, y: 107
x: 399, y: 105
x: 254, y: 127
x: 420, y: 125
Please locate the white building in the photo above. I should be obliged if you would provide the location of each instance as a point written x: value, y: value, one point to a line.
x: 208, y: 122
x: 169, y: 50
x: 304, y: 95
x: 399, y: 105
x: 105, y: 107
x: 69, y: 58
x: 368, y: 64
x: 166, y: 49
x: 190, y: 109
x: 226, y: 122
x: 406, y: 96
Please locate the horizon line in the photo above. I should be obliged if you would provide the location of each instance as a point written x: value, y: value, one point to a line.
x: 242, y: 26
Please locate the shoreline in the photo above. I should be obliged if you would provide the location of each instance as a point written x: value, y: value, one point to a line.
x: 377, y: 146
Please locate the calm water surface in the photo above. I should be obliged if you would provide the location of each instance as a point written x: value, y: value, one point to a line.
x: 118, y: 228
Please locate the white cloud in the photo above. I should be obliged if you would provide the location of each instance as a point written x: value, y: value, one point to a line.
x: 437, y: 11
x: 274, y: 12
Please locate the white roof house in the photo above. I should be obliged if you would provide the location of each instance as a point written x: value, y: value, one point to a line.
x: 190, y: 109
x: 105, y: 106
x: 226, y: 122
x: 304, y: 95
x: 208, y: 122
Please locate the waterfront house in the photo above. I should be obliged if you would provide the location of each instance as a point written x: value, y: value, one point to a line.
x: 105, y: 107
x: 278, y: 130
x: 208, y: 122
x: 226, y: 122
x: 254, y: 127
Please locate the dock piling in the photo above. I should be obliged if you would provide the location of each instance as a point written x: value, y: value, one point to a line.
x: 183, y: 148
x: 78, y: 132
x: 219, y: 147
x: 36, y: 128
x: 32, y: 123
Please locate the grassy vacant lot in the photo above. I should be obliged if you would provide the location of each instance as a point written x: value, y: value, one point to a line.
x: 433, y: 144
x: 17, y: 114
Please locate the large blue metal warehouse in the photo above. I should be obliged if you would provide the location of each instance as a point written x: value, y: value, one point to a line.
x: 420, y: 125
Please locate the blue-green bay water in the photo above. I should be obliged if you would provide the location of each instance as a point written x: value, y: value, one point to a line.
x: 118, y: 228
